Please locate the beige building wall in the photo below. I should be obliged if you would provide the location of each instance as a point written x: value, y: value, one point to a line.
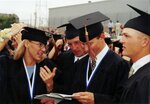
x: 114, y: 9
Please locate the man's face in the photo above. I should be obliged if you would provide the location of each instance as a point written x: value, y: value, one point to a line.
x: 35, y: 50
x: 131, y: 41
x: 77, y: 47
x: 95, y: 45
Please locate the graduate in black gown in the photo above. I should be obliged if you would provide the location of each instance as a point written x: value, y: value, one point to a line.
x: 66, y: 62
x: 102, y: 84
x: 136, y: 45
x: 22, y: 72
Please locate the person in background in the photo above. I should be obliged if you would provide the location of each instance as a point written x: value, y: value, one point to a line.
x: 118, y: 28
x: 56, y: 50
x: 110, y: 26
x: 109, y: 42
x: 23, y: 81
x: 136, y: 45
x: 99, y: 77
x: 10, y: 38
x: 117, y: 47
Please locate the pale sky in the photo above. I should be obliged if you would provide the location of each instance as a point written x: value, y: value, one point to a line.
x: 25, y: 9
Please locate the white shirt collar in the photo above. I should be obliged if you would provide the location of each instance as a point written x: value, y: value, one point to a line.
x: 101, y: 55
x: 78, y: 58
x: 141, y: 62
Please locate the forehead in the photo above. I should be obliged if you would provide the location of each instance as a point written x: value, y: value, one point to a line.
x: 73, y: 40
x: 131, y: 32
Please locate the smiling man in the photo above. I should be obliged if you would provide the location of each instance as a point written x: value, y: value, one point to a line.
x: 22, y: 72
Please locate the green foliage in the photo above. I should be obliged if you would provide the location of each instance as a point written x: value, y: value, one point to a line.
x: 7, y: 19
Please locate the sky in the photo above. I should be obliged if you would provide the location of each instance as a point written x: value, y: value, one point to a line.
x: 25, y: 9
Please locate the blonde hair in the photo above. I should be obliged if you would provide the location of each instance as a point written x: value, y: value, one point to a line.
x: 19, y: 52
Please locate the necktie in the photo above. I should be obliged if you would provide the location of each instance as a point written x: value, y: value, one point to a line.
x: 131, y: 72
x: 92, y: 65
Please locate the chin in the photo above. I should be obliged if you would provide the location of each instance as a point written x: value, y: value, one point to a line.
x: 124, y: 53
x: 39, y: 60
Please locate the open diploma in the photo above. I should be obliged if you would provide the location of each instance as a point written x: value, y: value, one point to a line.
x: 55, y: 96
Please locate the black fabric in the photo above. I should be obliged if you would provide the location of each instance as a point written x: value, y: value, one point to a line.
x: 35, y: 34
x: 92, y: 22
x: 140, y: 23
x: 57, y: 36
x: 90, y: 70
x: 17, y: 86
x: 93, y: 30
x: 107, y: 82
x: 4, y: 51
x: 108, y: 41
x: 63, y: 83
x: 65, y: 62
x: 137, y: 88
x: 70, y: 32
x: 88, y: 19
x: 4, y: 96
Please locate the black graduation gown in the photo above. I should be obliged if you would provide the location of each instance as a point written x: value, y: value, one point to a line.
x: 65, y: 62
x: 18, y: 90
x: 3, y: 82
x: 106, y: 83
x: 4, y: 52
x: 137, y: 88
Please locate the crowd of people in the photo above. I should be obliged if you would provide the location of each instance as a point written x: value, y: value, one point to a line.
x: 115, y: 28
x: 82, y: 63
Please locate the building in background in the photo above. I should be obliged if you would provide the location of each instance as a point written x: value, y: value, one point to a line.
x: 114, y: 9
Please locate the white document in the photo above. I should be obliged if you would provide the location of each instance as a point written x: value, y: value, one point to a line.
x: 57, y: 97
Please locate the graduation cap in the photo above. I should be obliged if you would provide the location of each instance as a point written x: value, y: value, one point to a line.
x: 35, y: 34
x: 57, y: 36
x: 140, y: 23
x: 89, y: 27
x: 89, y: 24
x: 70, y: 32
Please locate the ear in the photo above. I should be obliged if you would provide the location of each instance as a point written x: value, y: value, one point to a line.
x: 145, y: 41
x: 26, y: 43
x: 102, y: 35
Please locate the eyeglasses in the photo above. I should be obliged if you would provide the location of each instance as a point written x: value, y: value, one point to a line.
x: 41, y: 45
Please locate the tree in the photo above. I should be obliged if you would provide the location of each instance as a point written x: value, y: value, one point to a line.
x: 7, y: 19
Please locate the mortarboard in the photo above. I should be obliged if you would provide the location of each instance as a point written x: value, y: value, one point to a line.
x: 57, y: 36
x: 140, y: 23
x: 35, y: 34
x: 89, y: 27
x: 70, y: 32
x: 90, y: 22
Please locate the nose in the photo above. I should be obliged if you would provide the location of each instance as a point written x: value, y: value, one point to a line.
x: 43, y: 48
x: 121, y: 40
